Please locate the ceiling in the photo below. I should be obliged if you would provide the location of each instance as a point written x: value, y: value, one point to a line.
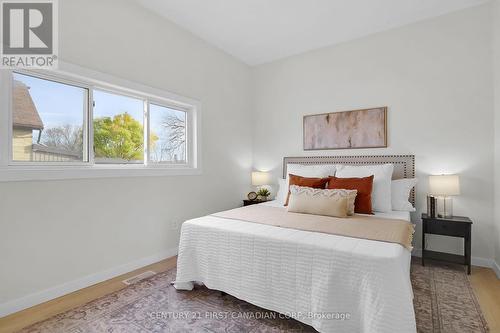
x: 260, y: 31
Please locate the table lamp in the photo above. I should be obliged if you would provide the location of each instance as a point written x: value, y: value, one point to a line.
x: 260, y: 178
x: 444, y: 186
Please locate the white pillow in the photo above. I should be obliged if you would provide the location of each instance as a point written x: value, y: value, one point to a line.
x: 382, y: 176
x: 282, y: 191
x: 401, y: 189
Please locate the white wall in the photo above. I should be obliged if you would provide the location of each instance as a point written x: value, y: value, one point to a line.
x: 54, y: 232
x: 435, y: 77
x: 496, y: 64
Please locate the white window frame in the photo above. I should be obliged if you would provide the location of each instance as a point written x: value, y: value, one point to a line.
x: 189, y: 129
x: 77, y: 76
x: 87, y: 140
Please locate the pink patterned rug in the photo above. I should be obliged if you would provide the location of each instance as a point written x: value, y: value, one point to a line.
x: 444, y: 302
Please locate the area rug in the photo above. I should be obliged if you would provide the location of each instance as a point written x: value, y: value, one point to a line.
x: 444, y: 302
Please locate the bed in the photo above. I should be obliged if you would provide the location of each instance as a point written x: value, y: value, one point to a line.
x: 333, y: 283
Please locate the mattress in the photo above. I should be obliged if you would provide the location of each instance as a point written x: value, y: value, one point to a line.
x: 333, y: 283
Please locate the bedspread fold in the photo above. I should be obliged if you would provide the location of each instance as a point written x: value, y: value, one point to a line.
x: 358, y: 226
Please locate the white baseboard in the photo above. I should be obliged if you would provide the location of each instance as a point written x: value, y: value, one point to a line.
x: 496, y: 268
x: 86, y: 281
x: 476, y: 261
x: 482, y: 262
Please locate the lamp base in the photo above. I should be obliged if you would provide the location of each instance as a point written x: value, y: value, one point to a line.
x: 445, y: 207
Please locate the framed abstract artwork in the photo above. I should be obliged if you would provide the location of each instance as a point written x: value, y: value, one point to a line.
x: 365, y: 128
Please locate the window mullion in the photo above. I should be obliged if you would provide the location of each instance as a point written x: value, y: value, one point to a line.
x: 146, y: 132
x: 90, y: 126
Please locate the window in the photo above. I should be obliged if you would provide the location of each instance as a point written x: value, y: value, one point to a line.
x: 118, y: 128
x: 64, y: 122
x: 167, y: 137
x: 47, y: 120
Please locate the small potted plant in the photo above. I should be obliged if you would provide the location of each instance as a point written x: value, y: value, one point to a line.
x: 263, y: 193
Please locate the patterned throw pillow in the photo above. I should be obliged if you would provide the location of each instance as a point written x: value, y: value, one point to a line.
x: 348, y: 195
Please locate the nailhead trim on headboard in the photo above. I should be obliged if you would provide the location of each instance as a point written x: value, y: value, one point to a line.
x: 404, y: 165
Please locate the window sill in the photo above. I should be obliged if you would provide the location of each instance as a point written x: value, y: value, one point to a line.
x: 41, y: 173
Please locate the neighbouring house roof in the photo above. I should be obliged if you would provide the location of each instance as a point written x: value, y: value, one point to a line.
x: 24, y: 112
x: 55, y: 151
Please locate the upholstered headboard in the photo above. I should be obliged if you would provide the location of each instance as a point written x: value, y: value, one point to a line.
x: 404, y: 165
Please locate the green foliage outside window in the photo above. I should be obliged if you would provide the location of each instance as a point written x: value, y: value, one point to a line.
x: 120, y: 137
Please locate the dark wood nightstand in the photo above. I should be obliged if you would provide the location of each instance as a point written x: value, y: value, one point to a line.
x: 251, y: 202
x: 455, y: 226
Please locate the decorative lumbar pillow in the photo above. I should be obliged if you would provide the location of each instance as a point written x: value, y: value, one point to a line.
x: 308, y: 200
x: 382, y: 177
x: 363, y: 186
x: 351, y: 198
x: 305, y: 181
x: 341, y: 193
x: 401, y: 189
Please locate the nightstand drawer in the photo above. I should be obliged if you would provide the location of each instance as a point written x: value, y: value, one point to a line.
x: 446, y: 228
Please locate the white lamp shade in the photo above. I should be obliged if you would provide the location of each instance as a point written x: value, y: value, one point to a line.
x: 260, y: 178
x: 444, y: 185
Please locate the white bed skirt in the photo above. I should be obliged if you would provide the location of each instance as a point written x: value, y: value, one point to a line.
x: 333, y: 283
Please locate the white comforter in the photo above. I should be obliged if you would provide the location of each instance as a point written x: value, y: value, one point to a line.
x: 333, y: 283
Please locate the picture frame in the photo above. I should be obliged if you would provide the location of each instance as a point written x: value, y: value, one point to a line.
x: 355, y: 129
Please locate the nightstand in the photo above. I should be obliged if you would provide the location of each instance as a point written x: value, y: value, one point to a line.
x: 251, y: 202
x: 455, y: 226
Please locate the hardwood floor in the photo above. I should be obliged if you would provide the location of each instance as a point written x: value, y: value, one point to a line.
x: 18, y: 320
x: 484, y: 281
x: 487, y: 288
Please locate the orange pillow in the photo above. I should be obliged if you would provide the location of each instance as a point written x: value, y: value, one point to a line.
x: 364, y: 186
x: 304, y: 181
